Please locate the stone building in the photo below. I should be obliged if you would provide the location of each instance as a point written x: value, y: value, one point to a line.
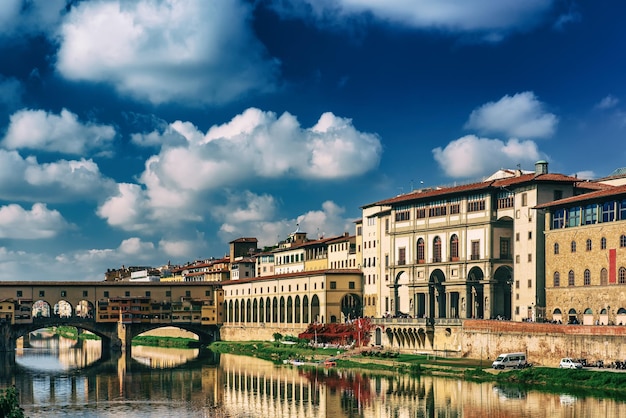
x: 586, y: 258
x: 467, y: 251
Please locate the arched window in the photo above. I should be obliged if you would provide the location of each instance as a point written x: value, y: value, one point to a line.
x: 454, y: 248
x: 557, y: 279
x: 570, y: 278
x: 588, y: 245
x: 573, y: 246
x: 587, y: 278
x: 604, y: 277
x: 603, y: 243
x: 421, y: 254
x: 622, y: 241
x: 437, y: 250
x: 622, y: 275
x: 556, y: 248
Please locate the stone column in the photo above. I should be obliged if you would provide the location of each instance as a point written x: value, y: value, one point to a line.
x: 125, y: 335
x: 7, y: 337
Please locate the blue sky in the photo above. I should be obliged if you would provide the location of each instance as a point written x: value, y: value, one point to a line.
x: 142, y: 132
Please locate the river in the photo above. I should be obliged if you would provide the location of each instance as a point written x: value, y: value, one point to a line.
x: 57, y: 379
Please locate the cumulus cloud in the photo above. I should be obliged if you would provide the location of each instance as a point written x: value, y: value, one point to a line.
x: 471, y: 156
x: 37, y: 223
x: 253, y: 146
x: 159, y: 51
x: 63, y: 133
x: 521, y: 115
x: 607, y: 102
x: 25, y: 179
x: 19, y: 17
x: 126, y: 209
x: 494, y: 18
x: 328, y: 221
x: 135, y: 246
x: 181, y: 248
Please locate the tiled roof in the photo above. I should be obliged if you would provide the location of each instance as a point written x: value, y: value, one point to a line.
x: 427, y: 194
x: 587, y: 197
x: 244, y: 239
x: 593, y: 185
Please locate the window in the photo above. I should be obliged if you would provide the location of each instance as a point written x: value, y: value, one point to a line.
x: 590, y: 215
x: 604, y: 277
x: 517, y: 284
x: 622, y: 275
x: 505, y: 200
x: 421, y: 256
x: 437, y: 209
x: 127, y: 293
x: 85, y: 293
x: 621, y: 210
x: 505, y: 248
x: 558, y: 194
x: 387, y: 225
x: 530, y: 234
x: 556, y: 248
x: 420, y: 212
x: 530, y: 257
x: 573, y: 217
x: 351, y: 285
x: 386, y: 260
x: 168, y: 293
x: 476, y: 204
x: 608, y: 211
x: 401, y: 256
x: 558, y: 219
x: 530, y: 283
x: 557, y: 279
x: 622, y: 241
x: 333, y: 285
x: 42, y: 293
x: 517, y: 236
x: 524, y: 199
x: 588, y: 244
x: 573, y: 246
x: 437, y: 250
x: 455, y: 208
x: 475, y: 250
x: 587, y: 278
x: 403, y: 214
x: 63, y: 293
x: 19, y: 293
x: 454, y: 248
x: 106, y: 293
x: 603, y: 243
x: 517, y: 259
x: 571, y: 281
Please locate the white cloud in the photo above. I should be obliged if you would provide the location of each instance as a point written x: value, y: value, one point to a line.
x: 182, y: 248
x: 19, y: 17
x: 520, y: 116
x: 585, y: 175
x: 135, y: 246
x: 37, y: 223
x: 187, y: 51
x: 607, y: 102
x: 329, y: 221
x: 492, y: 17
x: 126, y: 209
x: 253, y: 146
x: 64, y: 133
x: 471, y: 156
x: 61, y: 181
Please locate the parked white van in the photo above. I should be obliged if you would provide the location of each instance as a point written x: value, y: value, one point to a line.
x: 517, y: 360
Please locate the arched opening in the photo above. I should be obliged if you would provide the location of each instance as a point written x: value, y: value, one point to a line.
x: 557, y: 316
x: 248, y: 311
x: 436, y: 295
x: 296, y: 310
x: 305, y: 309
x: 231, y: 311
x: 315, y: 309
x: 572, y: 317
x: 351, y: 307
x: 475, y: 293
x: 63, y: 309
x: 289, y: 310
x: 275, y: 310
x: 620, y: 319
x: 501, y: 305
x: 84, y: 309
x: 242, y: 313
x: 268, y: 310
x: 604, y: 316
x: 400, y: 304
x: 588, y: 317
x: 262, y: 310
x: 255, y: 311
x: 282, y: 309
x: 236, y: 316
x: 41, y: 309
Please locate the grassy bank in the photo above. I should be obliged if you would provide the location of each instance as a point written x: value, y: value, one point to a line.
x: 597, y: 383
x: 161, y: 341
x: 72, y: 333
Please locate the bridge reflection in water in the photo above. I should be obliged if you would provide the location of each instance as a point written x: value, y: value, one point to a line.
x: 226, y: 385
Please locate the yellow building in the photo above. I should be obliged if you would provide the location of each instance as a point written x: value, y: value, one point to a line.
x: 586, y: 258
x: 7, y: 310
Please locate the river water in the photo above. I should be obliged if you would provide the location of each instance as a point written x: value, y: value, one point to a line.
x: 56, y: 379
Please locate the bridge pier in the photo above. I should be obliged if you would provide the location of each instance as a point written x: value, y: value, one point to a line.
x: 7, y: 338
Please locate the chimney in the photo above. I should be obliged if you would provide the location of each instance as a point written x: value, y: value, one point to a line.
x: 541, y: 167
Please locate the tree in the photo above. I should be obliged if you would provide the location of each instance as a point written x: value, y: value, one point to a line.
x: 9, y: 404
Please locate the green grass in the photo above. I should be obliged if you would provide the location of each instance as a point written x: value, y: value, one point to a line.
x: 273, y: 351
x: 160, y: 341
x: 72, y: 333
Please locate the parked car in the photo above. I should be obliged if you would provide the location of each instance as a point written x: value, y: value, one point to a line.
x: 569, y: 363
x: 516, y: 360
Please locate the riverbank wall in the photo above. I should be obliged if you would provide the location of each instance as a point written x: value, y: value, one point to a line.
x: 545, y: 344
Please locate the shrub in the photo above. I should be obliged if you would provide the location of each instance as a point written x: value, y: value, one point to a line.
x: 9, y: 404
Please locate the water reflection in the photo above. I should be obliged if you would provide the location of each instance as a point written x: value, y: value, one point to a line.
x: 190, y: 383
